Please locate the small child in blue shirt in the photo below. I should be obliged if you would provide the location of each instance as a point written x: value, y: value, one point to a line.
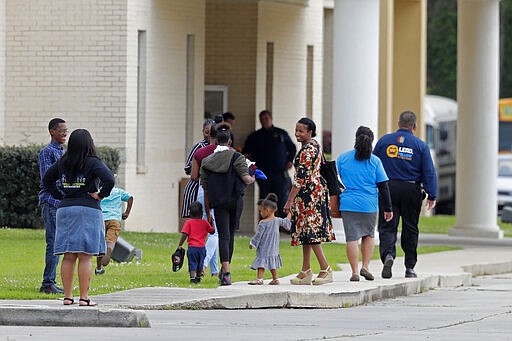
x: 112, y: 209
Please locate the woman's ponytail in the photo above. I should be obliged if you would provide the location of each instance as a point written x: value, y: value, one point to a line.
x: 363, y: 144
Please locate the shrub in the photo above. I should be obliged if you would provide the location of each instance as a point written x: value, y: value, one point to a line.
x: 110, y: 156
x: 19, y: 184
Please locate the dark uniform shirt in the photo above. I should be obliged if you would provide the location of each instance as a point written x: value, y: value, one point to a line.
x: 405, y: 157
x: 271, y: 149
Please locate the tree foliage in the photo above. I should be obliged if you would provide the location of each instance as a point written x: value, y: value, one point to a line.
x: 506, y: 49
x: 442, y: 48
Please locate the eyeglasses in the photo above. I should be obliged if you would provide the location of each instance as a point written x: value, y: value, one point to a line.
x: 62, y: 131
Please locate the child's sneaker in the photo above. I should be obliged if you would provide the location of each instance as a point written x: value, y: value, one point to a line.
x: 99, y: 271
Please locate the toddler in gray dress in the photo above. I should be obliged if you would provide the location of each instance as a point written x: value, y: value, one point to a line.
x: 266, y: 240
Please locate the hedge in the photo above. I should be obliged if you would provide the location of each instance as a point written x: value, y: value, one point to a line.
x: 19, y: 184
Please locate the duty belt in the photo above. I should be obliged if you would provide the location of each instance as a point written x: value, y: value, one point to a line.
x: 413, y: 182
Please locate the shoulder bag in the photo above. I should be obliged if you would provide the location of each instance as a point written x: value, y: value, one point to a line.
x: 335, y: 186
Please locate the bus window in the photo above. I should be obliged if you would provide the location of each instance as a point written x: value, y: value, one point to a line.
x: 430, y: 135
x: 505, y: 129
x: 505, y: 137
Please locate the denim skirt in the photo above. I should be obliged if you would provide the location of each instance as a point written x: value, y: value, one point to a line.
x: 80, y: 229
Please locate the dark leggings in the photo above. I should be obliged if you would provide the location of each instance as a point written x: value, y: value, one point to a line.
x: 227, y: 218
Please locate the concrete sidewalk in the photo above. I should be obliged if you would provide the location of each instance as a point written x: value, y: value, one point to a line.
x: 126, y: 309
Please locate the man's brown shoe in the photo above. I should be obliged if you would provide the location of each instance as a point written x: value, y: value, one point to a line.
x: 366, y: 274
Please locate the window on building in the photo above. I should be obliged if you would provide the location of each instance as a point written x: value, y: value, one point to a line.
x: 215, y: 100
x: 269, y: 85
x: 190, y: 87
x: 141, y: 102
x: 309, y: 81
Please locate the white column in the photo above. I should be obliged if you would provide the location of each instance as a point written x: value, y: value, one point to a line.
x: 477, y: 126
x: 2, y: 71
x: 355, y: 71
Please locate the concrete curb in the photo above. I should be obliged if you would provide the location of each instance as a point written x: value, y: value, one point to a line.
x: 442, y: 239
x: 317, y: 300
x: 126, y: 309
x: 71, y: 317
x: 488, y: 268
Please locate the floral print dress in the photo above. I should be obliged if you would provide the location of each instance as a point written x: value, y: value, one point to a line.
x: 311, y: 221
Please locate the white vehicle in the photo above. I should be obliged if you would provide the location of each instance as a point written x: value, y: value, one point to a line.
x: 440, y: 119
x: 504, y: 181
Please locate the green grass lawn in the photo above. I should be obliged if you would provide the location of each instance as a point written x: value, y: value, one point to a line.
x: 22, y: 263
x: 442, y: 223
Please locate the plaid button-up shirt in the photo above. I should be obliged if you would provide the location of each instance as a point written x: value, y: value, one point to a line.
x: 47, y: 157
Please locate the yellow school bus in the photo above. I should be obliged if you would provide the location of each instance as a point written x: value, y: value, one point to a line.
x: 505, y: 127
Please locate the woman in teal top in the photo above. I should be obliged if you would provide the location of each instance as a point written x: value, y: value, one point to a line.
x: 364, y: 178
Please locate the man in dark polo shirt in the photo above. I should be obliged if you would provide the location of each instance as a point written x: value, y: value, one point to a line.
x: 412, y: 175
x: 273, y: 151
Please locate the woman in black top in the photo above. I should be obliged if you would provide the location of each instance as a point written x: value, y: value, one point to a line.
x: 80, y: 232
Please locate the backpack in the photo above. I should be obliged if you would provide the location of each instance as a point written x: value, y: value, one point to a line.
x: 224, y: 188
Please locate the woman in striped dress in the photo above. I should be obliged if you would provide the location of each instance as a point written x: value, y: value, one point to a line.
x: 190, y: 192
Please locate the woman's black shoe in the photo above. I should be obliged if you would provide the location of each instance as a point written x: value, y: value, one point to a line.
x: 225, y: 278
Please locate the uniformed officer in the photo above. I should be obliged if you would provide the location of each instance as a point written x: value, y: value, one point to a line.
x: 412, y: 176
x: 273, y: 151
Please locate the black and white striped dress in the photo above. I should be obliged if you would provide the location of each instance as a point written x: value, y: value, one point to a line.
x: 190, y: 192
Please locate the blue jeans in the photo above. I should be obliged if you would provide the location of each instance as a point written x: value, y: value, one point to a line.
x: 49, y: 213
x: 212, y: 253
x: 212, y: 243
x: 195, y: 257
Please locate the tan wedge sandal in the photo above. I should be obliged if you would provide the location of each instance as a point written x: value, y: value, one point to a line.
x: 323, y: 280
x: 257, y: 281
x: 306, y: 280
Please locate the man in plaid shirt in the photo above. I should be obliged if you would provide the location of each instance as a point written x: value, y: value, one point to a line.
x: 47, y: 157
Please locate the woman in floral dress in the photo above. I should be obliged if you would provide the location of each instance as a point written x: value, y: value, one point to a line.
x: 308, y: 203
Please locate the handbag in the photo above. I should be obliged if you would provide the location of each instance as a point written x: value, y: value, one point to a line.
x: 329, y: 172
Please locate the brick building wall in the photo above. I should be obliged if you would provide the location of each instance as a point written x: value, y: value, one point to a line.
x: 156, y: 188
x: 79, y: 60
x: 237, y: 33
x: 231, y: 29
x: 65, y: 57
x: 291, y: 29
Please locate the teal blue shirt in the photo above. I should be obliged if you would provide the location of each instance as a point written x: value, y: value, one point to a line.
x: 360, y: 178
x: 112, y: 206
